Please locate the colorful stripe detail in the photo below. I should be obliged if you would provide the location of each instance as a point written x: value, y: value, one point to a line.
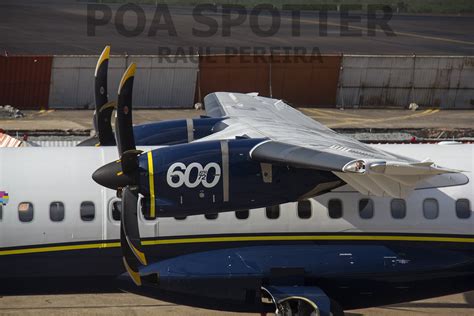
x: 4, y: 198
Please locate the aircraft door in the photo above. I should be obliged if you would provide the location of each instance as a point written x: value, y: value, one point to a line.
x: 113, y: 216
x: 148, y: 227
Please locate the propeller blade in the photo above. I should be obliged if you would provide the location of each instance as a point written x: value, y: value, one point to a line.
x: 128, y: 258
x: 103, y: 108
x: 130, y: 223
x: 129, y: 161
x: 123, y: 172
x: 123, y: 120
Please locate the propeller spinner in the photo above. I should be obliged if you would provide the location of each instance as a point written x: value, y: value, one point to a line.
x: 123, y: 175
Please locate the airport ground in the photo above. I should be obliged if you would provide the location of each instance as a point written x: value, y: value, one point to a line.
x: 130, y: 304
x: 46, y: 27
x: 424, y: 123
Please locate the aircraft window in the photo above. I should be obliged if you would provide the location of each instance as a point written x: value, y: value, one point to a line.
x: 304, y: 209
x: 398, y: 208
x: 87, y: 211
x: 56, y: 211
x: 430, y: 208
x: 116, y: 210
x: 463, y: 209
x: 366, y: 209
x: 1, y: 212
x: 180, y: 218
x: 335, y: 208
x: 273, y: 212
x: 211, y: 216
x: 242, y: 214
x: 25, y: 211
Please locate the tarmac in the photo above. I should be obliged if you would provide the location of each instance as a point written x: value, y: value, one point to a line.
x: 30, y: 27
x: 424, y: 123
x: 131, y: 304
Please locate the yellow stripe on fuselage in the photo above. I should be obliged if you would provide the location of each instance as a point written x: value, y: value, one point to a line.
x: 306, y: 238
x: 59, y: 248
x: 190, y: 240
x: 151, y: 180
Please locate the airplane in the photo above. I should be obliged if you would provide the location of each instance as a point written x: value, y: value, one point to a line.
x: 271, y: 212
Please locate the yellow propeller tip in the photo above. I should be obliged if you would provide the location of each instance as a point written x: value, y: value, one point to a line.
x: 129, y: 73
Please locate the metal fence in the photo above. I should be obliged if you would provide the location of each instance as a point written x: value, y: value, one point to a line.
x: 372, y: 81
x: 178, y: 81
x: 301, y: 80
x: 159, y: 82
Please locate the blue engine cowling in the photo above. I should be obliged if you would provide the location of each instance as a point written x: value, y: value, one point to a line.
x: 174, y: 131
x: 219, y: 176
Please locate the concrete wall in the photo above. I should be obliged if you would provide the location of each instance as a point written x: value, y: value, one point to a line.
x: 159, y: 82
x: 370, y: 81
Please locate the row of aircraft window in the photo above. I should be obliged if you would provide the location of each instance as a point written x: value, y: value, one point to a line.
x: 398, y: 210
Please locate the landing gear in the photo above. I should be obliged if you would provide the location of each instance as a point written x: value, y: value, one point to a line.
x: 300, y: 301
x: 296, y: 307
x: 303, y: 308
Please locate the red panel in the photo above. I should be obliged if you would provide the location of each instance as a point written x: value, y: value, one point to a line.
x: 234, y: 73
x: 306, y: 81
x: 25, y: 81
x: 301, y: 80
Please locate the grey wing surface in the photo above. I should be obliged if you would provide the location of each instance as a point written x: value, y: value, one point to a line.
x: 296, y: 140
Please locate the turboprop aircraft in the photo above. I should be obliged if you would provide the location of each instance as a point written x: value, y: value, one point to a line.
x: 151, y: 134
x: 272, y: 211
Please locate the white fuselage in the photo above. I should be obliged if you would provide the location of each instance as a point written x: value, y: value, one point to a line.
x: 41, y: 176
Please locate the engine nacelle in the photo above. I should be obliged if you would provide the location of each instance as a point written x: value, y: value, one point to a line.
x: 174, y: 131
x: 219, y: 176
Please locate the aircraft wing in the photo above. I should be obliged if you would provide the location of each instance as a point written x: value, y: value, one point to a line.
x: 296, y: 140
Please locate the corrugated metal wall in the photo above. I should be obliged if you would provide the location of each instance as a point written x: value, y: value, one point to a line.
x: 306, y: 81
x: 56, y: 143
x: 160, y: 82
x: 25, y: 81
x: 445, y: 82
x: 30, y: 82
x: 234, y: 73
x: 300, y: 80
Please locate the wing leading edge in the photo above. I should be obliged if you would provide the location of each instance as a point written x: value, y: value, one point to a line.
x: 298, y: 141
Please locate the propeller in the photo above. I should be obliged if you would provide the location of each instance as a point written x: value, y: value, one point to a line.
x: 123, y: 176
x: 104, y: 135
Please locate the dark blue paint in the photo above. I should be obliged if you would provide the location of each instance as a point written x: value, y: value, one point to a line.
x: 172, y: 132
x: 247, y: 189
x: 354, y: 275
x: 229, y: 274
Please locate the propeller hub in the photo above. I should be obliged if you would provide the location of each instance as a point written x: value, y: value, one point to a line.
x: 111, y: 176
